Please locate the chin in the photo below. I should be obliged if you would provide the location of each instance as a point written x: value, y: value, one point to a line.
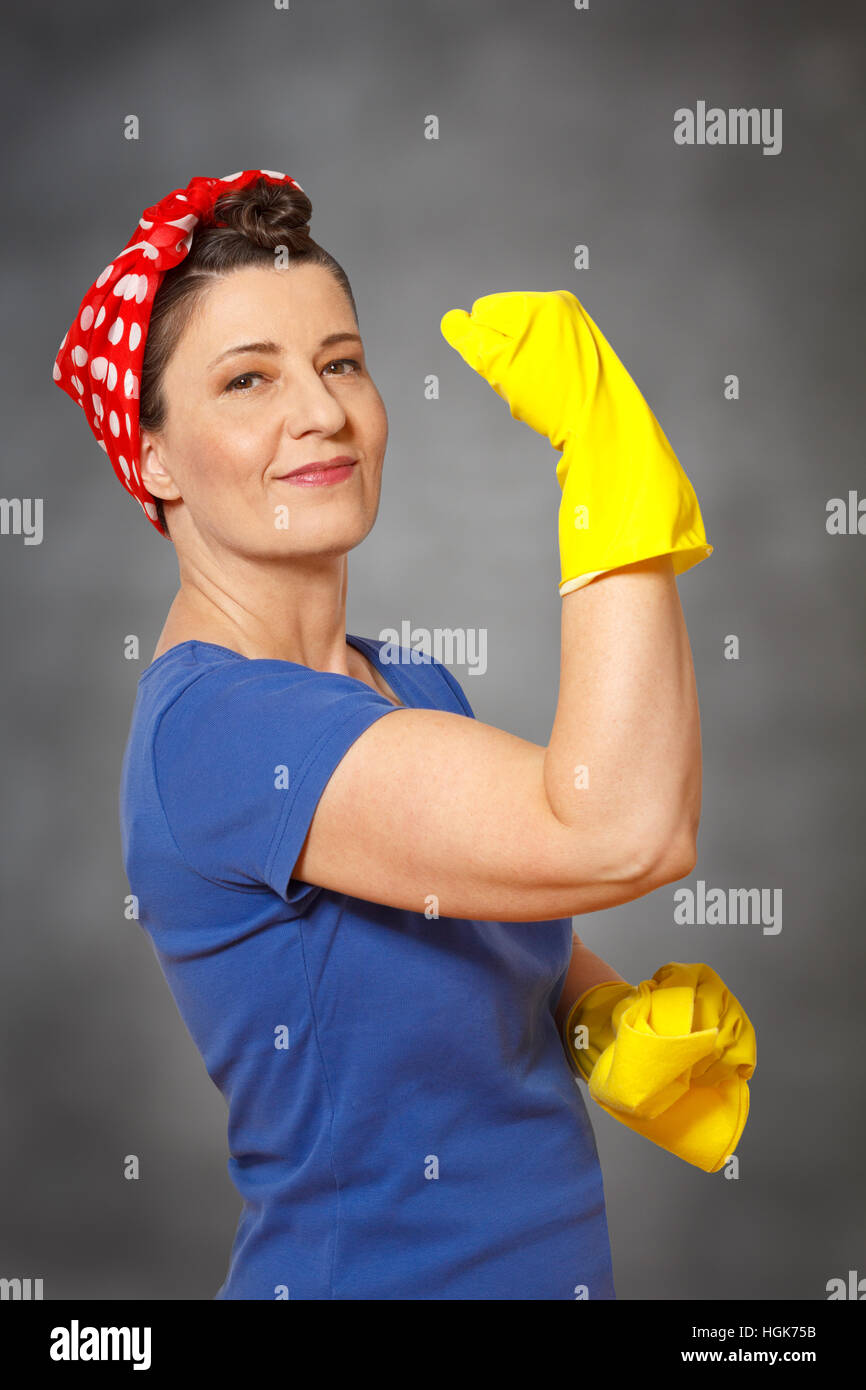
x: 321, y: 536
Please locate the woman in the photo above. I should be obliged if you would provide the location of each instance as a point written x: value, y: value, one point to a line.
x: 365, y: 921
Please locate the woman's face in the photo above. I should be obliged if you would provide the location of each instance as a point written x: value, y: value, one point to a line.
x: 253, y: 391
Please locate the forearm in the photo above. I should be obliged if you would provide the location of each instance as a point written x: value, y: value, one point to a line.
x: 624, y: 759
x: 586, y: 969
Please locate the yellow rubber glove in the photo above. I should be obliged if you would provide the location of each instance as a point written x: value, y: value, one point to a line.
x: 671, y: 1058
x: 625, y: 496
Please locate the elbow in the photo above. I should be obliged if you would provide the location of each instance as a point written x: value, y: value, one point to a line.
x: 673, y: 859
x: 655, y: 860
x: 681, y: 860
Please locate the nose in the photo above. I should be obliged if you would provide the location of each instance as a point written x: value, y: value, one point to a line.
x: 310, y: 406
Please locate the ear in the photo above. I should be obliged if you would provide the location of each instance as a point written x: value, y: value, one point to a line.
x: 151, y: 467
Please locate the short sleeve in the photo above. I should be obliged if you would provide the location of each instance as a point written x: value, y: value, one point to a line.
x: 242, y: 757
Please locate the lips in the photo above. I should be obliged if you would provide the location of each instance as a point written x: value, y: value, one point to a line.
x: 320, y: 465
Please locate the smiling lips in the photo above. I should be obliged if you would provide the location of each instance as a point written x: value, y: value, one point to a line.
x: 322, y: 472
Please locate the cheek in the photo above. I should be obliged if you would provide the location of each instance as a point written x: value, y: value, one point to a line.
x: 375, y: 419
x: 224, y: 448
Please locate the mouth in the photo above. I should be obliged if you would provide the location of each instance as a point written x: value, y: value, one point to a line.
x: 321, y: 471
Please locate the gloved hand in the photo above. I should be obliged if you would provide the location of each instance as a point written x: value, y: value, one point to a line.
x: 670, y: 1058
x: 625, y: 497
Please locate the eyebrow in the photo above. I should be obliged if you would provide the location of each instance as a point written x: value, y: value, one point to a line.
x: 275, y: 349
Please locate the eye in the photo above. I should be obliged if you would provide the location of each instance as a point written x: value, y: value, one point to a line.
x: 245, y: 376
x: 338, y: 361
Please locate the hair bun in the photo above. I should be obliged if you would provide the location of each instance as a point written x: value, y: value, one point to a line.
x: 269, y: 214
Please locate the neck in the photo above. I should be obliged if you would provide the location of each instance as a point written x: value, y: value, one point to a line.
x: 290, y: 611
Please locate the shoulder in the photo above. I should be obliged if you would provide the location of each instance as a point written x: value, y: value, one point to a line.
x: 229, y: 738
x: 212, y: 698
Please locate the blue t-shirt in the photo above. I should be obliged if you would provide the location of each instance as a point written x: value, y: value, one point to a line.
x: 402, y: 1120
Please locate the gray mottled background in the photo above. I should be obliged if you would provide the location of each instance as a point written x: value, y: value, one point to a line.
x: 556, y: 128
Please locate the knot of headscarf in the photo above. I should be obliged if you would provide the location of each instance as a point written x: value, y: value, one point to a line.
x: 99, y: 360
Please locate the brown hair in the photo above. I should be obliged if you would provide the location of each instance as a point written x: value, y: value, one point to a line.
x: 256, y: 220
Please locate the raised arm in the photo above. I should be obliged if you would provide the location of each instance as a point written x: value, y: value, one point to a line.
x: 432, y: 805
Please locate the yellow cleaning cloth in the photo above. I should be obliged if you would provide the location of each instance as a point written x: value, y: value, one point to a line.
x: 671, y: 1058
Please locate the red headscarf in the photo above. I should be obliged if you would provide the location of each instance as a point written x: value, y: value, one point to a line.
x: 99, y: 361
